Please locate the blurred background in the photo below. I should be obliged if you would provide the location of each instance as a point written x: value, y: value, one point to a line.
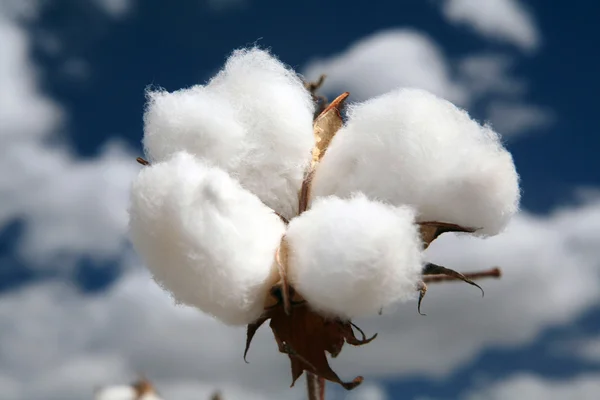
x: 78, y: 310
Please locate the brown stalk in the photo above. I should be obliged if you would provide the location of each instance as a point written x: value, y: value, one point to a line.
x: 315, y: 387
x: 490, y: 273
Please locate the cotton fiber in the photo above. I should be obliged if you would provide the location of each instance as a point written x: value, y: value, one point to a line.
x: 196, y: 120
x: 124, y: 392
x: 207, y: 240
x: 254, y: 119
x: 351, y: 257
x: 411, y: 147
x: 121, y: 392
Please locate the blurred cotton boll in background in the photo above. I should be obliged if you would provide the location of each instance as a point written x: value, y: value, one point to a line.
x: 116, y: 393
x: 141, y: 390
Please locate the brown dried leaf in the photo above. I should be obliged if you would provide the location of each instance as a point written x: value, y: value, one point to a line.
x: 305, y: 336
x: 326, y: 125
x: 250, y: 332
x: 422, y: 288
x: 430, y: 230
x: 434, y: 269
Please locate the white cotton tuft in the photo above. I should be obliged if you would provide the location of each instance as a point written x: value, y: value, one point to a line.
x: 411, y: 147
x: 351, y: 257
x: 149, y: 396
x: 124, y: 392
x: 120, y: 392
x: 272, y: 102
x: 207, y: 240
x: 254, y: 119
x: 196, y: 120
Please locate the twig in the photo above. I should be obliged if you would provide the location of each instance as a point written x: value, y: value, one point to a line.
x: 142, y: 161
x: 491, y: 273
x: 315, y: 386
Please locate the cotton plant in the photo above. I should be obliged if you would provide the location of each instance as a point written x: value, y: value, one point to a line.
x: 252, y: 209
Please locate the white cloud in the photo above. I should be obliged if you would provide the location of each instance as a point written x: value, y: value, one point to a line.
x: 489, y: 73
x: 30, y: 9
x: 367, y: 391
x: 71, y: 206
x: 590, y: 350
x: 530, y: 387
x: 586, y: 349
x: 386, y: 60
x: 76, y: 69
x: 550, y: 267
x: 509, y: 118
x: 50, y: 330
x: 20, y: 9
x: 115, y: 8
x: 503, y: 20
x: 24, y: 111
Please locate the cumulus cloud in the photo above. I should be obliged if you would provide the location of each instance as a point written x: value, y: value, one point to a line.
x: 70, y: 205
x: 50, y: 329
x: 19, y: 9
x: 587, y: 349
x: 115, y: 8
x: 531, y: 387
x: 503, y: 20
x: 24, y: 111
x: 484, y: 74
x: 367, y: 392
x: 511, y: 118
x: 394, y: 58
x: 133, y: 328
x: 386, y: 60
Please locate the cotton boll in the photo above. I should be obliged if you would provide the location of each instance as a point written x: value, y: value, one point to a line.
x: 271, y: 102
x: 150, y: 396
x: 410, y: 147
x: 121, y: 392
x: 205, y: 239
x: 196, y: 120
x: 254, y: 119
x: 350, y: 257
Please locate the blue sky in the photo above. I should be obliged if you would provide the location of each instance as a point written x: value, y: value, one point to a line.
x: 78, y: 311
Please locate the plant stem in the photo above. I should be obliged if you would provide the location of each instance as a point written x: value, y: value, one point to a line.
x: 491, y: 273
x: 315, y: 387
